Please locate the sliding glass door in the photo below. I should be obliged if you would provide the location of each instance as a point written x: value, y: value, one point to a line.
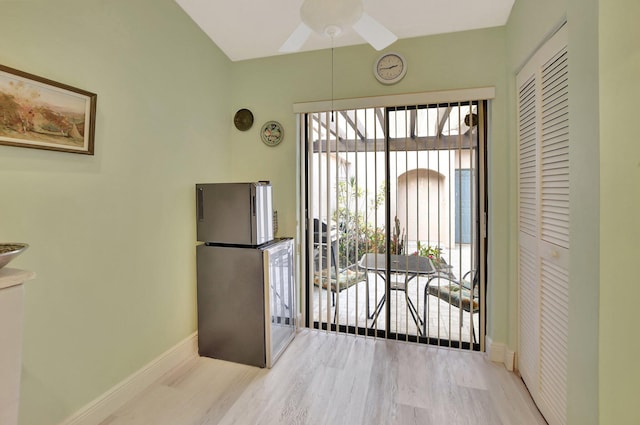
x: 393, y: 205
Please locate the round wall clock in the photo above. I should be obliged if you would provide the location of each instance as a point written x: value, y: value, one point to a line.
x: 243, y: 119
x: 272, y: 133
x: 390, y: 68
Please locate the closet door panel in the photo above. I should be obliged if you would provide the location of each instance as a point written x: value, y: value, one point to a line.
x: 543, y: 226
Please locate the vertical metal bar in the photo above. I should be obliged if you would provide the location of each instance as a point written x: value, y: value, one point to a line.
x: 407, y: 134
x: 473, y: 158
x: 353, y: 237
x: 373, y: 241
x: 321, y: 260
x: 393, y: 187
x: 416, y: 131
x: 323, y: 143
x: 318, y: 155
x: 310, y: 213
x: 356, y: 161
x: 473, y: 227
x: 427, y: 312
x: 387, y: 210
x: 439, y: 230
x: 302, y: 217
x: 459, y: 223
x: 388, y: 217
x: 335, y: 256
x: 483, y: 224
x: 450, y: 203
x: 375, y: 214
x: 367, y: 217
x: 328, y: 218
x: 416, y: 223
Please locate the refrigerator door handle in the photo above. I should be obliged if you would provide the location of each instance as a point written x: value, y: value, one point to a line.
x: 200, y: 202
x: 253, y: 205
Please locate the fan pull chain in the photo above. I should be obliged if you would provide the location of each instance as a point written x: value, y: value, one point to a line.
x: 332, y: 109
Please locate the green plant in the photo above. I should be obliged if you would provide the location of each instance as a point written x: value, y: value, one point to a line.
x: 376, y: 240
x: 432, y: 252
x: 355, y: 234
x: 397, y: 239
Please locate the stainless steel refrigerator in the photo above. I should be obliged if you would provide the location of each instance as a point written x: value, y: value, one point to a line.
x: 245, y: 278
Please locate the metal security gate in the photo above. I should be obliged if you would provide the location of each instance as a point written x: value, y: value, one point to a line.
x: 384, y: 214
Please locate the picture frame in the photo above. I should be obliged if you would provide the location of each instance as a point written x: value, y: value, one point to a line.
x: 39, y: 113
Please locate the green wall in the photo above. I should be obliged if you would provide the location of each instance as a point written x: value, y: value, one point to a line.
x: 112, y: 235
x: 619, y: 206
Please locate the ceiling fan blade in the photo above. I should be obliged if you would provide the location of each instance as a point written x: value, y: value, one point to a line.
x: 296, y: 39
x: 373, y: 32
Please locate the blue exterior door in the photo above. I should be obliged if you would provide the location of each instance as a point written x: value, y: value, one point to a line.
x: 463, y: 206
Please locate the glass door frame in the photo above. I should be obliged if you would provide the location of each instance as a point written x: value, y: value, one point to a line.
x: 307, y: 230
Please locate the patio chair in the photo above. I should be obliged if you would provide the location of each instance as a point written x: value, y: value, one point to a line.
x: 328, y: 275
x: 320, y: 257
x: 463, y: 293
x: 345, y: 279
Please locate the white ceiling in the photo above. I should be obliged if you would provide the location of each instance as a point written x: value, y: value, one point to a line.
x: 248, y: 29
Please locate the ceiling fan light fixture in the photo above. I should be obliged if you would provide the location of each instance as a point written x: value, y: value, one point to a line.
x: 330, y: 17
x: 332, y: 30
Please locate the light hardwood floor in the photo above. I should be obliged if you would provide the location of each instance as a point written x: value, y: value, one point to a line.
x: 326, y: 378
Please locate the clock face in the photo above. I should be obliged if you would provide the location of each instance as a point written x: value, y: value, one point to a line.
x: 272, y: 133
x: 390, y: 68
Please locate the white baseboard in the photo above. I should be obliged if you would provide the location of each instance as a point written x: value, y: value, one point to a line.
x: 509, y: 359
x: 500, y: 353
x: 100, y: 408
x: 495, y: 350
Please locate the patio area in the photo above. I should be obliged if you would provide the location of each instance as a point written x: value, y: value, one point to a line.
x: 445, y: 322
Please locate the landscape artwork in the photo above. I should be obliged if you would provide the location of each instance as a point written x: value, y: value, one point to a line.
x: 43, y: 114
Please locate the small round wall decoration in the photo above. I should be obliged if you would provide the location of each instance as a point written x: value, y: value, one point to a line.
x: 243, y: 119
x: 272, y: 133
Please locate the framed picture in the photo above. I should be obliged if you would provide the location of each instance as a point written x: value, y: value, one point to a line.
x: 43, y: 114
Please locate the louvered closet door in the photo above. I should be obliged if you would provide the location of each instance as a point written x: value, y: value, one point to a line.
x: 528, y: 229
x: 543, y: 193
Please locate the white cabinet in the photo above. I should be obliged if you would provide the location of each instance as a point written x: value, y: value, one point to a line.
x: 11, y: 316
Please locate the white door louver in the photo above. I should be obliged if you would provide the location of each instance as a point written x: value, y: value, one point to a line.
x: 543, y: 223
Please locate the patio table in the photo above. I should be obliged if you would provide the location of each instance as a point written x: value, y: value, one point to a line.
x: 410, y: 266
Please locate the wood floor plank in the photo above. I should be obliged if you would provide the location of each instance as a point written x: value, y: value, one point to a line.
x: 326, y: 378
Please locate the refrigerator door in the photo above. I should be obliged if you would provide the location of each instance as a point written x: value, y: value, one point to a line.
x: 231, y: 303
x: 280, y: 305
x: 263, y: 213
x: 234, y: 213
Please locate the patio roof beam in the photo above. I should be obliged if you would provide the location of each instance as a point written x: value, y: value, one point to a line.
x: 417, y: 144
x: 353, y: 124
x: 443, y: 119
x: 380, y: 118
x: 332, y: 125
x: 413, y: 115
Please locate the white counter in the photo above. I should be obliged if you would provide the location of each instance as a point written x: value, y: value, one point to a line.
x: 12, y: 277
x: 11, y: 317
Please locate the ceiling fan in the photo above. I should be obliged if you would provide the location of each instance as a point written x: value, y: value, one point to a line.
x: 331, y: 17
